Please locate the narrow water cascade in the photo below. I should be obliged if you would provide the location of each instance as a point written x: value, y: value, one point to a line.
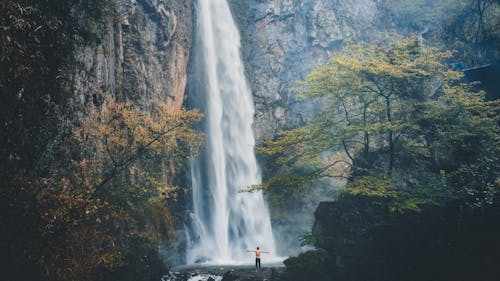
x: 224, y: 222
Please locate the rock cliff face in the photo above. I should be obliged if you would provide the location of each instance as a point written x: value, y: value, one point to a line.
x: 285, y: 39
x: 139, y: 51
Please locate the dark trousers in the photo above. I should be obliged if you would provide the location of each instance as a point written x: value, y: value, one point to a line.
x: 257, y: 263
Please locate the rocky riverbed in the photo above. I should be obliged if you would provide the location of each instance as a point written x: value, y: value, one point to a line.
x: 225, y: 273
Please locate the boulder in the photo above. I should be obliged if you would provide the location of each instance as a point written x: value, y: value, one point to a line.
x: 248, y: 274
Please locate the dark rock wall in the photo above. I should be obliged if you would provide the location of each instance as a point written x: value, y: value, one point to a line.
x: 362, y: 240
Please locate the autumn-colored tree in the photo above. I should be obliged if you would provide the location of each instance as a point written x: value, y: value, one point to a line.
x: 113, y: 188
x: 116, y: 136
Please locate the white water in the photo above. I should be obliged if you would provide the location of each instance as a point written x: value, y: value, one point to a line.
x: 224, y: 222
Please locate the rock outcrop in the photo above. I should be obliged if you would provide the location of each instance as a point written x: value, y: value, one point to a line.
x: 134, y: 50
x: 361, y: 239
x: 250, y: 274
x: 284, y: 40
x: 225, y: 273
x: 137, y: 52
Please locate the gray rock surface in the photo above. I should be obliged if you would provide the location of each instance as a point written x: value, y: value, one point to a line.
x: 134, y: 50
x: 285, y: 40
x: 263, y: 274
x: 140, y: 52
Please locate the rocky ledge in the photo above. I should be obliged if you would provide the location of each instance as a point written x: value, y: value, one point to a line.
x: 225, y: 274
x: 247, y: 274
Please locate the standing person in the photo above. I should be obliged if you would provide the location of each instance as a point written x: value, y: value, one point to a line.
x: 257, y: 256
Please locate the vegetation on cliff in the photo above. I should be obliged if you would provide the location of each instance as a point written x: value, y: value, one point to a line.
x: 86, y: 191
x: 416, y: 142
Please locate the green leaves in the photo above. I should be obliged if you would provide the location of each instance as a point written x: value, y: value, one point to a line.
x: 373, y: 187
x: 396, y: 196
x: 407, y: 127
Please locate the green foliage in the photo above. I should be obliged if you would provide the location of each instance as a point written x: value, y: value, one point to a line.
x: 391, y: 194
x: 307, y: 239
x: 465, y: 144
x: 373, y: 187
x: 405, y: 123
x: 423, y: 173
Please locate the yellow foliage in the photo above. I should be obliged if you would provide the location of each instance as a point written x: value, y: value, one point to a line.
x: 77, y: 231
x: 116, y: 135
x: 114, y: 179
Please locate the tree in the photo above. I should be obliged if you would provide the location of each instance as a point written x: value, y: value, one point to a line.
x: 115, y: 136
x: 77, y: 193
x: 378, y: 102
x: 112, y: 185
x: 106, y: 188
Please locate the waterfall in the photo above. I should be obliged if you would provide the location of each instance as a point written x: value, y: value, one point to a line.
x: 224, y: 222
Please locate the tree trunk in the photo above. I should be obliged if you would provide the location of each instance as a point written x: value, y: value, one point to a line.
x: 366, y: 136
x: 390, y: 136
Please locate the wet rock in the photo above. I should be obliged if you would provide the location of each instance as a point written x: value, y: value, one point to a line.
x: 190, y: 276
x: 248, y: 274
x: 314, y: 265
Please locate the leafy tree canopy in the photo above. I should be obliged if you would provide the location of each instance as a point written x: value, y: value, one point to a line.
x: 401, y: 118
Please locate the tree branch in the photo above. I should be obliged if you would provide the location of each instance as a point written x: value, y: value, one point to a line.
x: 124, y: 165
x: 347, y: 151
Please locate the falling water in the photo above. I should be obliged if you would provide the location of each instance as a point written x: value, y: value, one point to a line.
x: 224, y: 222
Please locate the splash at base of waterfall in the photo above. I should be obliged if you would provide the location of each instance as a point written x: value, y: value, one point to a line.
x: 216, y: 273
x: 273, y: 261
